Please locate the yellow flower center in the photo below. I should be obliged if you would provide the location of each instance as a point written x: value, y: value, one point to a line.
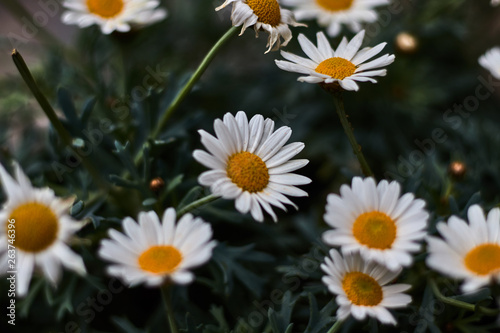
x: 338, y: 68
x: 160, y: 259
x: 36, y: 226
x: 362, y: 289
x: 248, y: 171
x: 483, y: 259
x: 375, y: 230
x: 268, y: 11
x: 105, y: 8
x: 335, y: 5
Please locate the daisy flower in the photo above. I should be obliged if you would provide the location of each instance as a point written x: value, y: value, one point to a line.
x: 154, y: 252
x: 361, y: 287
x: 112, y: 15
x: 469, y: 251
x: 343, y: 66
x: 375, y: 221
x: 42, y: 227
x: 250, y: 163
x: 264, y: 15
x: 333, y: 13
x: 491, y: 61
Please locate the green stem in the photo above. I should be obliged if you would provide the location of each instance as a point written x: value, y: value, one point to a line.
x: 188, y: 86
x: 336, y: 326
x: 460, y: 304
x: 165, y: 293
x: 339, y: 106
x: 51, y: 114
x: 196, y: 204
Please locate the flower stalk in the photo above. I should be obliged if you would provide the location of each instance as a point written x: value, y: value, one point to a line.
x: 339, y: 106
x: 198, y: 203
x: 165, y: 293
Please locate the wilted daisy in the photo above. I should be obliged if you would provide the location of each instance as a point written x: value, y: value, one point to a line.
x: 375, y: 221
x: 154, y: 252
x: 264, y: 15
x: 468, y: 251
x: 112, y: 15
x: 250, y: 163
x: 343, y: 66
x: 42, y: 228
x: 361, y: 287
x: 333, y: 13
x: 491, y: 61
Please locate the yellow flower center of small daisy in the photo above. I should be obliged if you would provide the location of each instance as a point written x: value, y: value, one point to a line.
x: 268, y: 11
x: 160, y: 259
x: 483, y: 259
x: 105, y: 8
x: 338, y: 68
x: 248, y: 171
x: 335, y: 5
x: 362, y: 289
x: 375, y: 230
x: 36, y: 226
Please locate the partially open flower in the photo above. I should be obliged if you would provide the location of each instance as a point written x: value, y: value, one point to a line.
x: 263, y: 15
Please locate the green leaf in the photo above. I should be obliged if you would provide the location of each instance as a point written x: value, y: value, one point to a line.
x: 319, y: 319
x: 280, y: 321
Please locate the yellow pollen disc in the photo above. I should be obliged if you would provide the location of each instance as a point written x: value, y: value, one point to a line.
x: 338, y: 68
x: 362, y: 289
x: 335, y: 5
x: 105, y: 8
x: 483, y: 259
x: 36, y: 226
x: 248, y: 171
x: 268, y: 11
x: 160, y: 259
x: 375, y: 230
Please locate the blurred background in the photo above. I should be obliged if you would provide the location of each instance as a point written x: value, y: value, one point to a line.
x: 423, y: 125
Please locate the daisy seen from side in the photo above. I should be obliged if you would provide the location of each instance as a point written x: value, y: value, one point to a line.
x: 343, y: 66
x: 376, y: 221
x: 332, y: 14
x: 362, y: 287
x: 491, y: 61
x: 112, y: 15
x: 154, y: 252
x: 40, y: 232
x: 264, y: 15
x: 468, y: 251
x: 250, y: 163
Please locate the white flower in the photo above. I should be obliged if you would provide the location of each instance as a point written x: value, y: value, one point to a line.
x: 331, y: 14
x: 468, y: 251
x: 495, y: 2
x: 41, y: 229
x: 154, y: 252
x: 343, y: 66
x: 263, y: 15
x: 491, y: 61
x: 112, y: 15
x: 361, y: 287
x: 376, y: 222
x: 250, y: 163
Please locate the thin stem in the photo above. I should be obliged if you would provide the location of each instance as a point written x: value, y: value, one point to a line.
x: 336, y: 326
x: 188, y: 86
x: 460, y: 304
x: 165, y: 293
x: 339, y: 106
x: 51, y: 114
x: 196, y: 204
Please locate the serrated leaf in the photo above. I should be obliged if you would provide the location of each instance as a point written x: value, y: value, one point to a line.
x: 319, y: 319
x: 280, y: 321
